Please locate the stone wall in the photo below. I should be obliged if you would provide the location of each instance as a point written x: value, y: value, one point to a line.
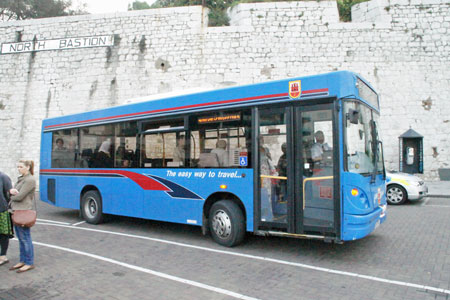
x: 401, y: 47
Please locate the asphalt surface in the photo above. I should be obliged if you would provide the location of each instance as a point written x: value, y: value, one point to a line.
x: 407, y: 257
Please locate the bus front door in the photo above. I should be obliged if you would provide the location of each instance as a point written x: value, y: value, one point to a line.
x: 316, y: 142
x: 296, y: 159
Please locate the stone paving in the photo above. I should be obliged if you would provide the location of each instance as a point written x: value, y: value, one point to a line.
x: 413, y: 246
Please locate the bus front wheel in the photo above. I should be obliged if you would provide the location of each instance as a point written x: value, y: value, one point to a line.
x: 91, y: 207
x: 226, y: 223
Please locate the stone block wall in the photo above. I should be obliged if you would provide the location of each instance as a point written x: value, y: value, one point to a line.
x: 401, y: 47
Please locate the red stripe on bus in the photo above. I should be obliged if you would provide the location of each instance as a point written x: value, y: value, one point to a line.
x: 315, y: 91
x: 169, y: 109
x: 143, y: 181
x: 185, y: 107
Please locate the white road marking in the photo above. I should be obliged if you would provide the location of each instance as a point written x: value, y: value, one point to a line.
x: 278, y: 261
x: 436, y: 205
x: 152, y: 272
x: 425, y: 201
x: 51, y: 221
x: 79, y: 223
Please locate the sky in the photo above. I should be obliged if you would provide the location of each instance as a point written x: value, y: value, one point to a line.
x: 106, y: 6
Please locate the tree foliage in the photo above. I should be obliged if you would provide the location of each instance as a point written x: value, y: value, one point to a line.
x: 218, y: 16
x: 217, y: 8
x: 138, y: 5
x: 345, y: 9
x: 33, y: 9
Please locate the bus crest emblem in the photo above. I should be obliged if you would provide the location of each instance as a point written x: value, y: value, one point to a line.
x: 295, y: 89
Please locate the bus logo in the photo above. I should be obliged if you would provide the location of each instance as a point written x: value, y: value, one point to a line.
x: 295, y: 89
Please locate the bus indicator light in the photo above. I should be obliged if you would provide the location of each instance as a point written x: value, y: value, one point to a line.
x: 355, y: 192
x: 223, y: 186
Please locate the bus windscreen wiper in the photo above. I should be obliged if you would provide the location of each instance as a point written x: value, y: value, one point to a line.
x: 375, y: 143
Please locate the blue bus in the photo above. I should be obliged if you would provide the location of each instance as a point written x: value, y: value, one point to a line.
x: 300, y: 157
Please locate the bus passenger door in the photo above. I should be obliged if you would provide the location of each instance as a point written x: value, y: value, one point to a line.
x: 316, y: 150
x: 297, y: 151
x: 274, y: 180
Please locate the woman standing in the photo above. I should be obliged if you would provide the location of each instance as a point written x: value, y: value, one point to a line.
x: 22, y: 198
x: 6, y: 229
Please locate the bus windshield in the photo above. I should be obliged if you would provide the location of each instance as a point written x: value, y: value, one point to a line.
x: 364, y: 153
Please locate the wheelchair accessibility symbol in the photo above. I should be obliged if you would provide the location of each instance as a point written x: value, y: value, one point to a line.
x: 243, y: 161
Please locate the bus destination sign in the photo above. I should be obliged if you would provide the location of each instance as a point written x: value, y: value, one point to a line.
x: 215, y: 119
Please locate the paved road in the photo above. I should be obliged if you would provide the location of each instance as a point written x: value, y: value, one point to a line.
x: 408, y: 257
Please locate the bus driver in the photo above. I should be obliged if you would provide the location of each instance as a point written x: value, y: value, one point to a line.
x: 319, y: 147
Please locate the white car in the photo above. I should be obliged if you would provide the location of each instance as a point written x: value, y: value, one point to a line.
x: 401, y: 187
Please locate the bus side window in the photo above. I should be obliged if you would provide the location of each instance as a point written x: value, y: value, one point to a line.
x: 163, y: 150
x: 221, y: 139
x: 65, y: 149
x: 97, y: 147
x: 125, y: 141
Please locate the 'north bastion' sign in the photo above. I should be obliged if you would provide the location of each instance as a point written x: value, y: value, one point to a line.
x: 58, y: 44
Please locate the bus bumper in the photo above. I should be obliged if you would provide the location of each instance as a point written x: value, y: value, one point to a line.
x: 359, y: 226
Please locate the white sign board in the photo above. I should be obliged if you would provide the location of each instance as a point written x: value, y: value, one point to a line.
x: 58, y: 44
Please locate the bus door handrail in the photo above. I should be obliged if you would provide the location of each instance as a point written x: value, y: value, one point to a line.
x: 313, y: 179
x: 164, y: 130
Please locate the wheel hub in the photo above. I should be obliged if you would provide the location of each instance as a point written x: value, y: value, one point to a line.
x: 395, y: 195
x: 221, y: 224
x: 91, y: 207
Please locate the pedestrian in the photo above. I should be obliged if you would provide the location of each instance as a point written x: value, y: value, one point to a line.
x: 22, y: 198
x: 6, y: 229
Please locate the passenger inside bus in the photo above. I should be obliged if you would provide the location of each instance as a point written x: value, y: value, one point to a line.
x: 221, y: 152
x: 282, y: 172
x: 60, y: 145
x: 267, y: 169
x: 63, y: 157
x: 123, y: 157
x: 103, y: 158
x: 179, y: 152
x: 86, y: 158
x: 126, y: 163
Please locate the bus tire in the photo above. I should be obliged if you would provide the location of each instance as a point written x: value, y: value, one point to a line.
x: 396, y: 195
x: 91, y: 207
x: 226, y: 223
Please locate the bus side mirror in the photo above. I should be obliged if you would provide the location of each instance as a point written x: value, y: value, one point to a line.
x: 353, y: 116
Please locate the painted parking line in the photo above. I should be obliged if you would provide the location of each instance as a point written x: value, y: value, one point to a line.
x: 152, y: 272
x: 425, y: 201
x: 430, y: 203
x: 51, y: 221
x: 79, y: 223
x: 267, y: 259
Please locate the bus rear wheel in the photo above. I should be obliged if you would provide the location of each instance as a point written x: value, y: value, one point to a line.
x: 226, y: 223
x: 91, y: 207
